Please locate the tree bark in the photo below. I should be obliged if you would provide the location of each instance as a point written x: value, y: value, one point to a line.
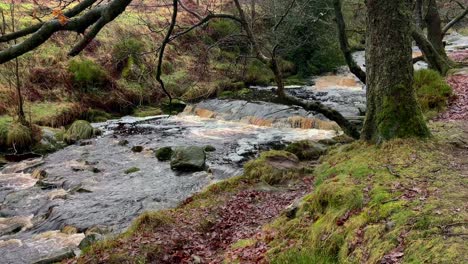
x: 418, y: 5
x: 435, y: 60
x: 392, y: 109
x: 344, y: 44
x: 434, y: 28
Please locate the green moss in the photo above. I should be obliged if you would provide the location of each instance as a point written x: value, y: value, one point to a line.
x: 243, y: 93
x: 335, y: 194
x: 307, y: 150
x: 145, y: 111
x: 243, y: 243
x: 53, y: 114
x: 132, y: 170
x: 5, y: 122
x: 150, y: 221
x: 87, y: 74
x: 432, y: 92
x: 164, y: 154
x: 19, y: 136
x: 398, y: 119
x: 302, y: 257
x: 221, y: 28
x: 258, y: 74
x: 128, y: 48
x: 96, y: 115
x: 272, y: 167
x: 79, y: 130
x: 357, y: 212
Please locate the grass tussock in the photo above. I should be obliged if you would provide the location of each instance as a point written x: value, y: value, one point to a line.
x: 79, y: 130
x: 19, y: 136
x: 432, y: 91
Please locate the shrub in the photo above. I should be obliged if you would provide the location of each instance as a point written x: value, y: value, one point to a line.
x: 96, y: 115
x: 80, y: 129
x: 87, y: 74
x: 432, y: 91
x: 4, y: 124
x: 19, y: 136
x: 127, y: 48
x: 258, y: 74
x: 222, y: 28
x: 145, y: 111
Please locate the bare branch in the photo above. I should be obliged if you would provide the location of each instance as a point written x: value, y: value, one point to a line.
x: 455, y: 21
x: 78, y: 24
x: 31, y: 29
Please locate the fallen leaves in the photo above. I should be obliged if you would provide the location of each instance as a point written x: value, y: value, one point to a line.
x: 205, y: 234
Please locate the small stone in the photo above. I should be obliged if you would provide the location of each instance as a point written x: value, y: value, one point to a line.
x: 137, y: 149
x: 292, y: 209
x: 196, y: 259
x: 389, y: 225
x: 89, y: 240
x: 164, y: 153
x: 86, y: 143
x: 209, y: 148
x: 123, y: 142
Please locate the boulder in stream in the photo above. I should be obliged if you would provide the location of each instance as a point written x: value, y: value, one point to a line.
x: 79, y: 130
x: 188, y: 159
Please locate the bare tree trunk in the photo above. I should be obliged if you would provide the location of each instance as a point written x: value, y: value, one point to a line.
x: 275, y: 68
x: 418, y: 5
x: 20, y: 103
x: 435, y: 60
x: 392, y: 109
x: 434, y: 28
x: 163, y: 48
x: 344, y: 44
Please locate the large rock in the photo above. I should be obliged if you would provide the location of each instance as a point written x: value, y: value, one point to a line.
x: 307, y: 150
x: 188, y: 159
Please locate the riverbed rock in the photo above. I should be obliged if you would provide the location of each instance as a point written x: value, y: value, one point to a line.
x: 56, y: 256
x: 137, y: 149
x: 89, y: 240
x: 210, y: 148
x: 273, y: 167
x: 123, y: 142
x: 188, y: 159
x: 164, y: 153
x: 307, y: 150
